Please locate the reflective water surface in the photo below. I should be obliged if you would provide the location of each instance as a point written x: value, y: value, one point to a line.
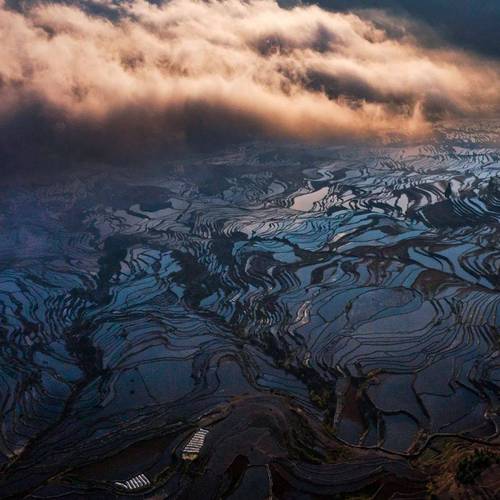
x: 329, y: 315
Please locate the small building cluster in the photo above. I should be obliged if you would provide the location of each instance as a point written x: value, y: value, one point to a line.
x: 194, y: 445
x: 136, y: 483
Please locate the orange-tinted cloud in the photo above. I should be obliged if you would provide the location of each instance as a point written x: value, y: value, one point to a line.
x: 186, y: 69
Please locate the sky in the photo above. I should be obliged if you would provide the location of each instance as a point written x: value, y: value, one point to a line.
x: 113, y: 80
x: 469, y: 24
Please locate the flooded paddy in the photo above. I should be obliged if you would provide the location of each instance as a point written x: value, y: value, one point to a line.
x: 326, y: 314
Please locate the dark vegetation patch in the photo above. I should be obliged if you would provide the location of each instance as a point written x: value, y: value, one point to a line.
x: 472, y: 466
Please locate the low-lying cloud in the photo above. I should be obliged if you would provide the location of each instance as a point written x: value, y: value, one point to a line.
x: 154, y: 76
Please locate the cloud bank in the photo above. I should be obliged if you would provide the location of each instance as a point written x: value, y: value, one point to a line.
x: 151, y: 77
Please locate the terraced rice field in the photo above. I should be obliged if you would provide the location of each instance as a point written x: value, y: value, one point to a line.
x: 327, y: 314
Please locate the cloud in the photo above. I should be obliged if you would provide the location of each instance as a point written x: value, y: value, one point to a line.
x: 473, y: 24
x: 155, y: 76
